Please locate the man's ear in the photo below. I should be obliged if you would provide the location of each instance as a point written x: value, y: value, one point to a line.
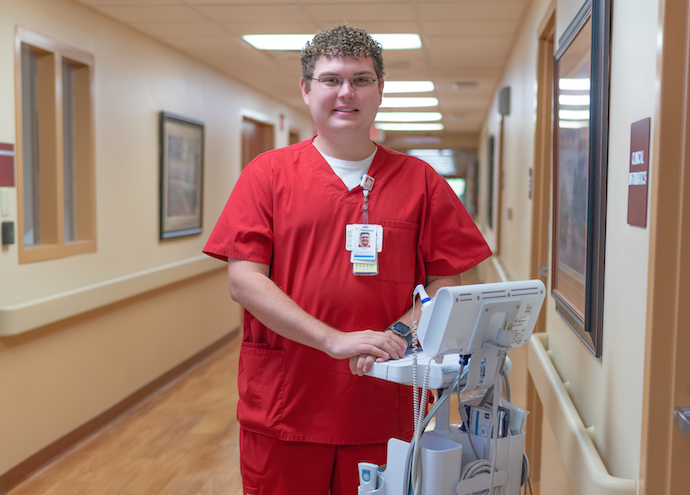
x: 305, y: 91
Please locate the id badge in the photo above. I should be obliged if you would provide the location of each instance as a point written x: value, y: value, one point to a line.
x: 364, y: 242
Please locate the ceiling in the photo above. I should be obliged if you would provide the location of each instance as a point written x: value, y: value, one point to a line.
x: 465, y: 43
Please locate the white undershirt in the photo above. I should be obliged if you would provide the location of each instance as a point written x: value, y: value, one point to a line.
x: 350, y: 172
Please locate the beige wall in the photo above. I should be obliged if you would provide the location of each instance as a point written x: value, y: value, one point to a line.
x: 607, y: 391
x: 55, y: 378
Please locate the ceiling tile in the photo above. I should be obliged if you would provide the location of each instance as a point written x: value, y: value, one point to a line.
x: 475, y: 11
x: 151, y: 13
x: 129, y: 2
x: 180, y: 29
x: 250, y: 13
x: 465, y: 28
x: 242, y: 28
x: 371, y: 11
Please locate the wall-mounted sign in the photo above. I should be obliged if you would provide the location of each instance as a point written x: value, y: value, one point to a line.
x: 6, y: 165
x: 638, y: 177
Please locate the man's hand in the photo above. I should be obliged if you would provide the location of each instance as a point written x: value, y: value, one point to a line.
x: 383, y: 345
x: 362, y: 363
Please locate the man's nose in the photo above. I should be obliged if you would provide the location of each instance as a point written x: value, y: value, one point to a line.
x: 346, y: 89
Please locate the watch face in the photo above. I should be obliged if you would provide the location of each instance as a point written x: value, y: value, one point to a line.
x: 401, y: 328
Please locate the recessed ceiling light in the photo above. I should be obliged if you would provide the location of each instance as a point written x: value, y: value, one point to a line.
x: 398, y: 41
x: 408, y: 86
x: 297, y: 41
x: 408, y: 102
x: 407, y: 116
x: 408, y: 127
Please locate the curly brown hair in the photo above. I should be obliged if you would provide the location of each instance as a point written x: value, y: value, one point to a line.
x: 340, y: 41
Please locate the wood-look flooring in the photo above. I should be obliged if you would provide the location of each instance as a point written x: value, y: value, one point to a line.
x: 183, y: 440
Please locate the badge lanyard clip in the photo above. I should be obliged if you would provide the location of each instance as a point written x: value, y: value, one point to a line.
x: 367, y: 184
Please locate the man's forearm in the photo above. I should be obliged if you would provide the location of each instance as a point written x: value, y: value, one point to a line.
x: 251, y: 287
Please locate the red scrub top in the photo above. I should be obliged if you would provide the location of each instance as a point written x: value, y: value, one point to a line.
x: 289, y: 210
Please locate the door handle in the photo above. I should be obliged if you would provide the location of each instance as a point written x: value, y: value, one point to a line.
x: 681, y: 415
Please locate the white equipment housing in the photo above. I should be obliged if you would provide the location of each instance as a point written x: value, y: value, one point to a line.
x: 483, y: 322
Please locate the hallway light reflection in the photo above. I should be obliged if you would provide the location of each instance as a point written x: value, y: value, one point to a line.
x: 408, y: 86
x: 393, y: 126
x: 573, y: 124
x: 573, y: 100
x: 408, y: 116
x: 573, y: 114
x: 409, y: 102
x: 580, y: 84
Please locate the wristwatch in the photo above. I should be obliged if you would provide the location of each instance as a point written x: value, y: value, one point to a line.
x: 402, y: 330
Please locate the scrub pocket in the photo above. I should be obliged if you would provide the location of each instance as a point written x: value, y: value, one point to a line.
x: 261, y: 385
x: 398, y: 258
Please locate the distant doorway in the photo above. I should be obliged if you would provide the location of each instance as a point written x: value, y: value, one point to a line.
x: 257, y: 137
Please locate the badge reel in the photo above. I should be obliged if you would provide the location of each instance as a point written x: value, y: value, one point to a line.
x: 364, y: 241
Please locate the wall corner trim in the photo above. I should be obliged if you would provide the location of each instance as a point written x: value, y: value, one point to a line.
x: 586, y: 470
x: 23, y: 317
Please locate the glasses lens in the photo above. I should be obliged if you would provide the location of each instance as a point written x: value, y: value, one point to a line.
x: 362, y: 82
x: 331, y: 81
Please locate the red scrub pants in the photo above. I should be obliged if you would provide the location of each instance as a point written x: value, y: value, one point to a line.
x: 275, y: 467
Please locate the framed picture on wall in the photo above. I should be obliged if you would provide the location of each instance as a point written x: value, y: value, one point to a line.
x: 181, y: 175
x: 581, y: 93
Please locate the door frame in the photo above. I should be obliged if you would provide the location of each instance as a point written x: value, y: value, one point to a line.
x: 541, y: 214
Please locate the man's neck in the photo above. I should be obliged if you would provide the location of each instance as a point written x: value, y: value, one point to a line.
x: 353, y: 151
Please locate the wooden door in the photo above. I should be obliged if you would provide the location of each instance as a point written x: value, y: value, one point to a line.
x: 257, y: 137
x: 541, y: 212
x: 665, y: 449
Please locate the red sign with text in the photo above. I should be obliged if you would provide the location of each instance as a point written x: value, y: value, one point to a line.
x: 638, y: 177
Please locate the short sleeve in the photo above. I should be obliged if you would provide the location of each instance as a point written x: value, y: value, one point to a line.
x: 245, y: 228
x: 450, y: 241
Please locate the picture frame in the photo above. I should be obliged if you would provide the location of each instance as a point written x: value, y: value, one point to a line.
x: 581, y: 98
x: 181, y: 181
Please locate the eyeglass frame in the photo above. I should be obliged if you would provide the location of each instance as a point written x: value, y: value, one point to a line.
x: 342, y: 80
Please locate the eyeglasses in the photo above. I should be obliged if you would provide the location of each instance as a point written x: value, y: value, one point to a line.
x: 335, y: 82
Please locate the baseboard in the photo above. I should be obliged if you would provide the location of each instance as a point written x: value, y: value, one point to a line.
x: 26, y: 468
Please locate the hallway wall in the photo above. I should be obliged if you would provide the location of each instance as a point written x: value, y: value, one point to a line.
x: 607, y: 391
x: 55, y: 378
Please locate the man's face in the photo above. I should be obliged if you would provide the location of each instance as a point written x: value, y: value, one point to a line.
x: 338, y: 110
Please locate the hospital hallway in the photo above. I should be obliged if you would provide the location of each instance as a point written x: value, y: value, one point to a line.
x: 126, y: 125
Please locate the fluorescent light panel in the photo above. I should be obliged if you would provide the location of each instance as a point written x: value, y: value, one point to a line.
x: 573, y: 100
x: 573, y: 114
x: 409, y: 102
x: 408, y: 116
x: 408, y: 86
x: 573, y: 124
x: 388, y: 126
x: 579, y: 84
x: 297, y: 41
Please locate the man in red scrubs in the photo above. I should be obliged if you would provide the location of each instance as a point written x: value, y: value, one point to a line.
x: 320, y: 308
